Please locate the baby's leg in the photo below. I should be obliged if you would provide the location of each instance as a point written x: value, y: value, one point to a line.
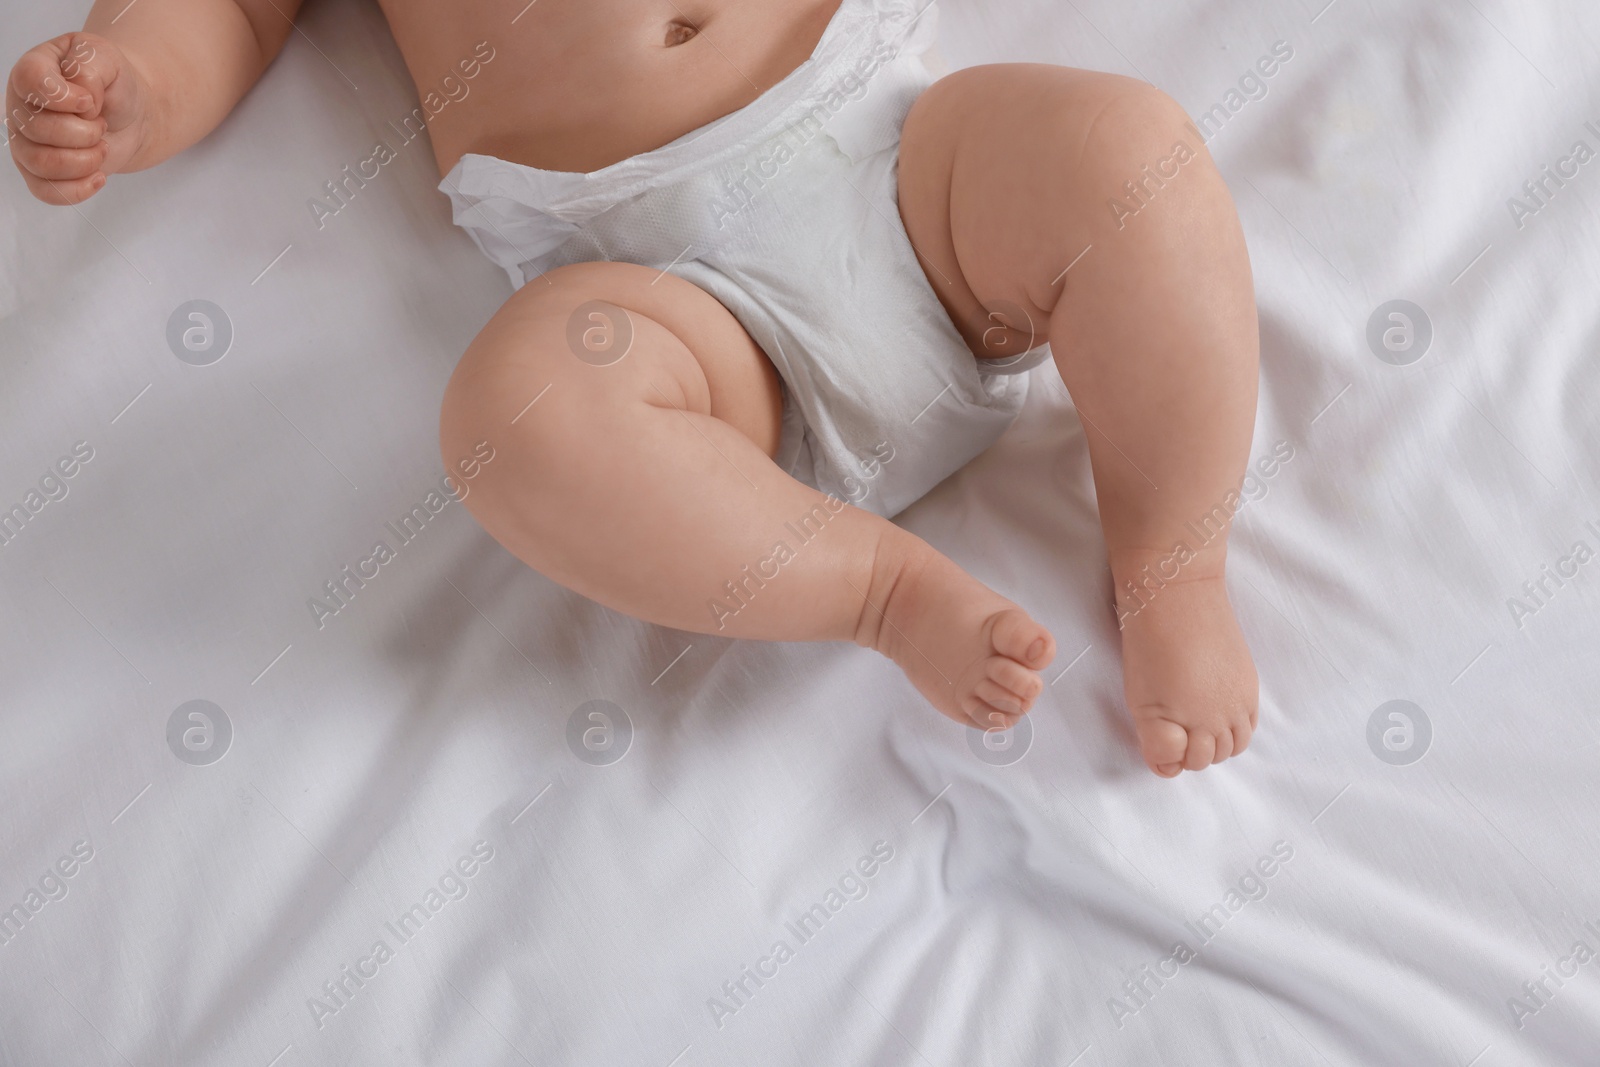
x: 647, y: 484
x: 1008, y: 175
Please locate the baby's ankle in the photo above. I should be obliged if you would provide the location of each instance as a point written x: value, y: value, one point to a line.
x: 896, y: 568
x: 1139, y: 575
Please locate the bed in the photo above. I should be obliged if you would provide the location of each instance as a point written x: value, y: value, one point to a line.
x: 458, y: 815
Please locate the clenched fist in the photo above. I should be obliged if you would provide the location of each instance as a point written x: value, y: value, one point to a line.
x: 75, y: 112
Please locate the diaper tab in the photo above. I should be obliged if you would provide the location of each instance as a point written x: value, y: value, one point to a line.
x: 503, y: 225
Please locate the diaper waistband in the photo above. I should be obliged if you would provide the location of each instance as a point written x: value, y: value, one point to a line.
x: 517, y: 214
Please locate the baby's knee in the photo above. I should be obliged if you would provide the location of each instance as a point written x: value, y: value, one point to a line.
x: 1141, y: 151
x: 566, y: 358
x: 1134, y: 113
x: 1134, y: 127
x: 499, y: 389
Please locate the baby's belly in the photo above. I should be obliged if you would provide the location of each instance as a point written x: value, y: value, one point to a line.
x: 576, y: 85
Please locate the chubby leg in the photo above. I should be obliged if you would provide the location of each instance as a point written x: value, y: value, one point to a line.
x: 1010, y: 174
x: 633, y: 422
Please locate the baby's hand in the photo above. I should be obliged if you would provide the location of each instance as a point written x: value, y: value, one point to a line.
x: 74, y: 114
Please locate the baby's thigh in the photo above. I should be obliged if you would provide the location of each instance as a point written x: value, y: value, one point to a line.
x: 1006, y: 174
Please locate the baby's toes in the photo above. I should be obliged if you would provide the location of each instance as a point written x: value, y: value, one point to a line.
x: 1224, y: 746
x: 995, y: 697
x: 1016, y: 635
x: 1242, y: 733
x: 1164, y: 745
x: 1013, y: 678
x: 1202, y: 749
x: 988, y: 717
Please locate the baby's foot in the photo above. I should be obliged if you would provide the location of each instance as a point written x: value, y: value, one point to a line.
x: 1187, y: 674
x: 974, y: 654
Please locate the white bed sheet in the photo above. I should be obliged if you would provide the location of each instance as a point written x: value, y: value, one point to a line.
x: 429, y: 716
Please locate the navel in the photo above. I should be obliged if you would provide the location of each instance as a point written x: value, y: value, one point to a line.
x: 679, y: 32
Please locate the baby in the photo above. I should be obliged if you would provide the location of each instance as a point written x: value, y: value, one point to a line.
x: 773, y: 283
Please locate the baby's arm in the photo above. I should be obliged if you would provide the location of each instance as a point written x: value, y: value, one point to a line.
x: 141, y: 82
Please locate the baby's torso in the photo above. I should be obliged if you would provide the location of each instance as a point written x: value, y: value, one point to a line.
x: 576, y: 85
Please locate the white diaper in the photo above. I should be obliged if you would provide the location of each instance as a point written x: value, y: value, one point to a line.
x: 786, y: 211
